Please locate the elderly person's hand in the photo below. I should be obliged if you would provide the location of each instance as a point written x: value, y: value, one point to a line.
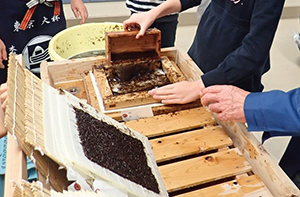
x: 227, y: 101
x: 3, y: 53
x: 79, y: 8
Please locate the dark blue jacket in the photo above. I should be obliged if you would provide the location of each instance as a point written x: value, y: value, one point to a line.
x: 233, y: 40
x: 278, y: 113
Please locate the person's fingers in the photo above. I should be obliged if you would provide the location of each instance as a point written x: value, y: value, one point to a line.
x: 209, y: 98
x: 4, y: 86
x: 222, y: 116
x: 1, y: 64
x: 165, y: 90
x: 212, y: 89
x: 3, y: 97
x: 215, y: 107
x: 172, y: 101
x: 3, y: 106
x: 3, y: 94
x: 84, y: 15
x: 165, y: 97
x: 75, y: 12
x: 3, y: 56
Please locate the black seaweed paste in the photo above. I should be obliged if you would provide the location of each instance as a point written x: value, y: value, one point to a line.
x: 110, y: 148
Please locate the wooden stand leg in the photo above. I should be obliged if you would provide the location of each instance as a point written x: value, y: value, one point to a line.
x: 16, y: 166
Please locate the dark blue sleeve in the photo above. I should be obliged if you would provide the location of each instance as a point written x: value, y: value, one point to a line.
x: 186, y: 4
x: 274, y: 111
x: 248, y: 59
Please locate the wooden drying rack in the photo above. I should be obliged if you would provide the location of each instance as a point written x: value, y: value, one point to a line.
x: 197, y: 154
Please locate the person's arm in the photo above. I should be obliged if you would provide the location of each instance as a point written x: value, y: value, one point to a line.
x: 3, y: 53
x: 142, y: 21
x: 273, y: 111
x: 247, y: 59
x: 3, y: 98
x: 225, y: 100
x: 79, y: 9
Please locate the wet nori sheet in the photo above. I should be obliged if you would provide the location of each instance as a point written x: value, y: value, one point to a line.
x: 110, y: 148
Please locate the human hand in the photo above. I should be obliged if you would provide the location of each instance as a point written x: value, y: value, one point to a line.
x: 139, y: 21
x: 3, y: 53
x: 227, y: 101
x: 3, y: 95
x: 178, y: 93
x: 2, y: 127
x: 3, y: 100
x: 79, y: 8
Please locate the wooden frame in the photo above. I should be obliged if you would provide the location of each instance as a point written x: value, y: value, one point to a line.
x: 124, y: 43
x: 245, y: 144
x: 111, y: 101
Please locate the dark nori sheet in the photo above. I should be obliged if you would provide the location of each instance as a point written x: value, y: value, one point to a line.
x: 110, y: 148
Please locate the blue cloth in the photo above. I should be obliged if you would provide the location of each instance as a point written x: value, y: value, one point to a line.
x: 278, y: 113
x: 274, y: 111
x: 233, y: 39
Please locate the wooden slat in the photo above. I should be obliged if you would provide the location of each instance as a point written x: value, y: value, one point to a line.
x: 69, y: 70
x: 243, y: 186
x: 17, y: 168
x: 204, y: 169
x: 172, y: 122
x: 261, y: 161
x: 90, y: 92
x: 197, y: 141
x: 174, y: 74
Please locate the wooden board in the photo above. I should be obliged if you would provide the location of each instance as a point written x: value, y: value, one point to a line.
x: 190, y: 143
x: 242, y: 186
x: 203, y: 169
x: 173, y: 122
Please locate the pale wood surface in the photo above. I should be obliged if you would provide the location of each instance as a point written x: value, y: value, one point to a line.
x: 243, y: 186
x: 90, y: 92
x: 203, y: 169
x: 172, y: 122
x: 187, y: 143
x: 261, y: 161
x: 17, y: 168
x: 69, y: 70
